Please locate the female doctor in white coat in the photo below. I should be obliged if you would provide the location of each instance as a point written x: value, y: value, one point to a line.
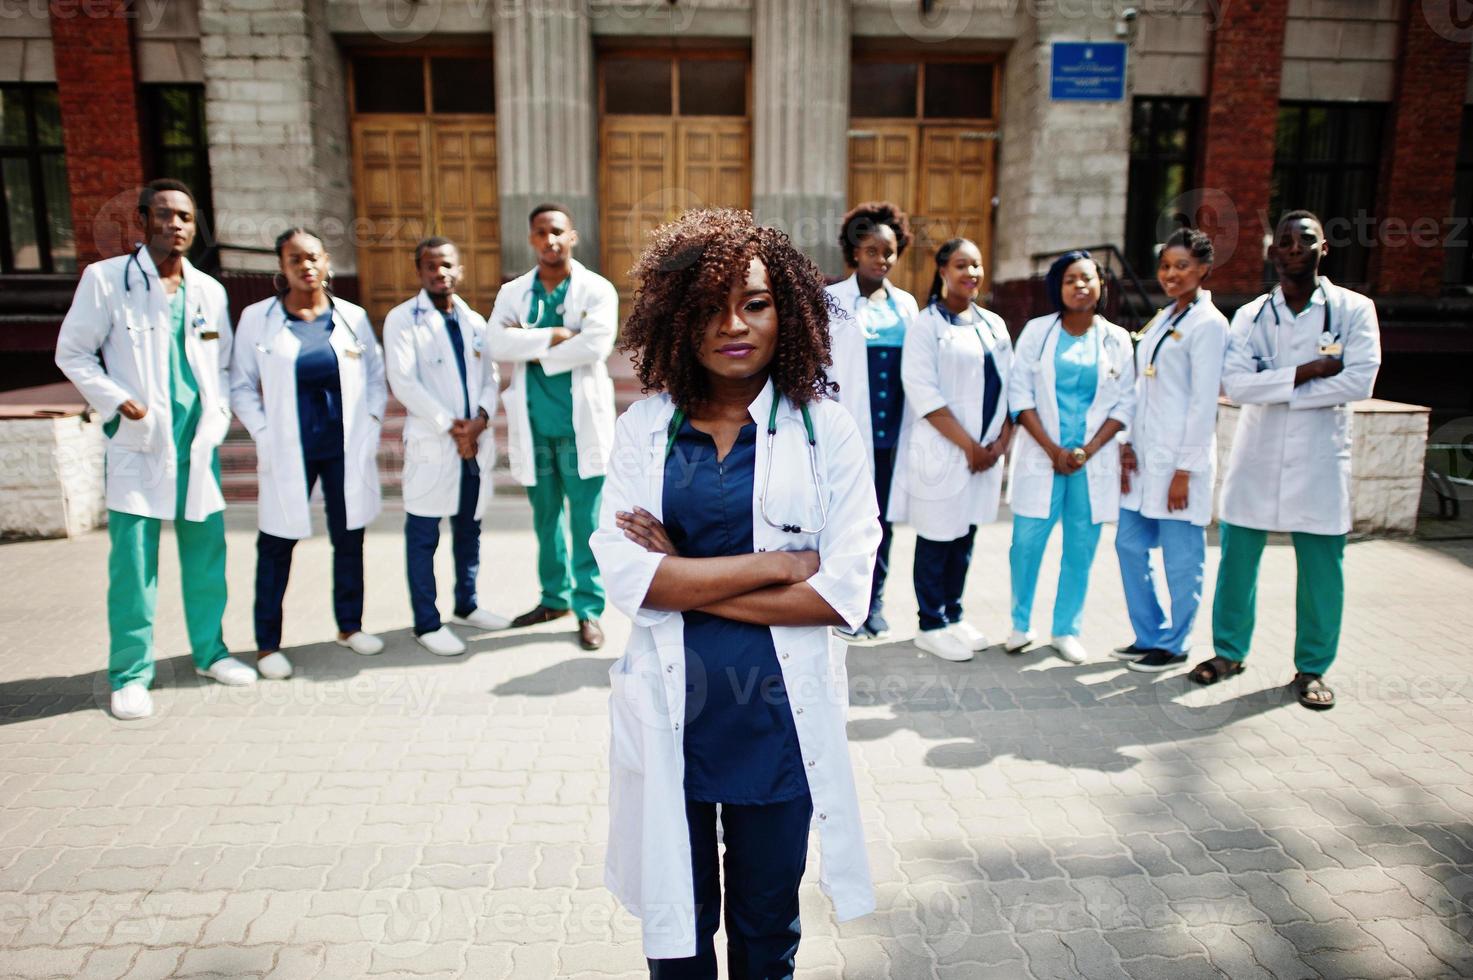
x: 737, y: 526
x: 956, y: 430
x: 867, y: 337
x: 308, y: 383
x: 1072, y: 391
x: 1168, y: 463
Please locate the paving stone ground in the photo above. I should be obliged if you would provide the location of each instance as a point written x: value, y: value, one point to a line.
x: 411, y: 816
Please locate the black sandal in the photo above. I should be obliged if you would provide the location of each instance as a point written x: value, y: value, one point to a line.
x: 1209, y: 672
x: 1306, y: 684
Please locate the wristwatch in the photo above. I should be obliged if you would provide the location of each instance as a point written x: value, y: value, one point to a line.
x: 481, y: 414
x: 1080, y: 456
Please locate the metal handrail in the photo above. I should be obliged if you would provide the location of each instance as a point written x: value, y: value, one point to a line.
x: 1139, y: 306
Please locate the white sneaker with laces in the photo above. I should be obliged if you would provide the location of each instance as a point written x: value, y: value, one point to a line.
x: 274, y: 666
x: 945, y: 644
x: 483, y: 619
x: 363, y: 644
x: 1018, y: 641
x: 442, y: 643
x: 229, y: 671
x: 1070, y: 649
x: 974, y: 638
x: 131, y: 702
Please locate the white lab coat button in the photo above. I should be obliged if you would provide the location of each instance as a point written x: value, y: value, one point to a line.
x: 799, y: 711
x: 670, y: 669
x: 823, y: 816
x: 677, y: 726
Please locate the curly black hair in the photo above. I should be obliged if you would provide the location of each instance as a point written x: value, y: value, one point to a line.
x: 684, y: 277
x: 862, y: 221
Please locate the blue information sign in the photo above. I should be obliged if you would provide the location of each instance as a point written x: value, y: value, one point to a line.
x: 1088, y: 71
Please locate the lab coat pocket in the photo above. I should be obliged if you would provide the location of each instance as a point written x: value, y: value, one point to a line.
x: 137, y: 435
x: 627, y: 708
x: 263, y: 453
x: 936, y: 467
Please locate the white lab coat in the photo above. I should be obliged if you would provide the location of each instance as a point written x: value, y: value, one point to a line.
x: 423, y: 374
x: 591, y: 309
x: 114, y: 346
x: 648, y: 862
x: 943, y: 367
x: 1290, y: 464
x: 1175, y: 424
x: 1031, y: 472
x: 850, y: 355
x: 263, y: 392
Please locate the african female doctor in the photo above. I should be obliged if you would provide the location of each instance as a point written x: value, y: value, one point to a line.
x: 868, y: 337
x: 1072, y: 390
x: 738, y: 525
x: 1168, y: 461
x: 956, y: 430
x: 307, y: 381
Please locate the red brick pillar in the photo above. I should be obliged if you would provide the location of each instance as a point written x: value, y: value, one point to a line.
x: 1246, y: 64
x: 99, y: 120
x: 1420, y: 162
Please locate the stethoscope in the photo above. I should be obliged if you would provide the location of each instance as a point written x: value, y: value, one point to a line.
x: 678, y: 419
x: 198, y: 321
x: 1329, y: 337
x: 537, y: 306
x: 1169, y: 332
x: 1106, y: 340
x: 336, y: 318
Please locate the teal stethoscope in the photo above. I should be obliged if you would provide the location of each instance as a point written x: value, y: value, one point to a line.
x: 678, y: 419
x: 1106, y: 340
x: 1329, y: 337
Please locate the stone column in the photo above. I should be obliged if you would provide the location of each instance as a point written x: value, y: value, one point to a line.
x: 545, y: 122
x: 800, y: 72
x: 276, y: 113
x: 104, y: 159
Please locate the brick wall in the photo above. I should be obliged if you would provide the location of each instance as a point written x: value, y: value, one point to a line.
x: 99, y: 123
x: 1243, y: 80
x: 1419, y: 164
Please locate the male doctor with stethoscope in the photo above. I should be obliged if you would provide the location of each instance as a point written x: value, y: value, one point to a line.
x: 1296, y: 360
x: 147, y: 342
x: 437, y: 364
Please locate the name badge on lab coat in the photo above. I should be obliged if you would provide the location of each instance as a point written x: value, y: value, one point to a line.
x: 1329, y: 347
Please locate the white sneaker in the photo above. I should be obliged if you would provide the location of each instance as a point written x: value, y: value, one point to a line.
x: 229, y: 671
x: 483, y: 619
x: 974, y: 638
x: 1018, y: 641
x: 132, y: 701
x: 365, y: 644
x: 442, y: 643
x: 944, y: 644
x: 1070, y: 649
x: 274, y: 666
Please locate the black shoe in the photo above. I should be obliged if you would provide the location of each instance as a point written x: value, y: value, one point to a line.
x: 1157, y: 661
x: 1130, y: 652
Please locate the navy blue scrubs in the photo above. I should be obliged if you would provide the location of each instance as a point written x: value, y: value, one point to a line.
x: 741, y: 746
x: 320, y: 425
x: 422, y: 534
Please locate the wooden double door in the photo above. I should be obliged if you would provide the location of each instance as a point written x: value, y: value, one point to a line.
x: 416, y: 176
x: 943, y: 175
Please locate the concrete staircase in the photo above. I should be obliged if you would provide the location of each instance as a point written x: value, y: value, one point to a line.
x: 238, y: 452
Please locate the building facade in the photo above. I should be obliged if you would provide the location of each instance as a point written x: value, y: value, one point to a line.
x: 379, y: 121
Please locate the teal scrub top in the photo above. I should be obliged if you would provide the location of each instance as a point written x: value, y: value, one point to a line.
x: 1076, y: 372
x: 549, y: 397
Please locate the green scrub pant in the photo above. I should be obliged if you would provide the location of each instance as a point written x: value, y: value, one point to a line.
x: 580, y: 587
x: 1320, y: 595
x: 132, y: 590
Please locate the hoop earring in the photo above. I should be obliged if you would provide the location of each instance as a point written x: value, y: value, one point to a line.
x: 282, y: 287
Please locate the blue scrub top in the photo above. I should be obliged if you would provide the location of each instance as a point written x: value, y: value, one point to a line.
x: 319, y: 390
x: 452, y: 327
x: 1076, y: 373
x: 991, y: 379
x: 741, y: 746
x: 884, y: 336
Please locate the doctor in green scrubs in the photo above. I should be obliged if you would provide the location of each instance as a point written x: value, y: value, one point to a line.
x: 147, y: 343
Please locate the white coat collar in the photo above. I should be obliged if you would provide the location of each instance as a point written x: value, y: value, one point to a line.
x: 1320, y: 296
x: 850, y: 290
x: 192, y: 276
x: 664, y: 411
x: 426, y: 301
